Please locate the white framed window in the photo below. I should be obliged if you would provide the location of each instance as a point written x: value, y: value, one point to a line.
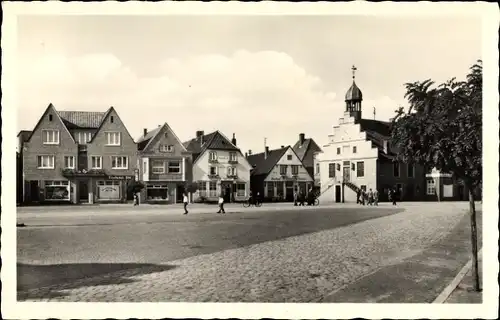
x: 46, y: 162
x: 431, y: 187
x: 119, y: 162
x: 231, y: 171
x: 283, y: 169
x: 295, y: 170
x: 213, y: 171
x: 233, y: 156
x: 174, y: 166
x: 50, y: 136
x: 158, y: 167
x: 166, y: 148
x: 83, y: 137
x: 213, y: 189
x: 57, y: 190
x: 212, y: 156
x: 113, y: 138
x: 240, y: 189
x: 96, y: 162
x: 108, y: 183
x: 69, y: 162
x: 202, y: 189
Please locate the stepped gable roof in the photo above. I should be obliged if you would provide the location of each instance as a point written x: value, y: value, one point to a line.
x: 263, y: 165
x: 301, y: 150
x: 377, y: 132
x: 81, y: 119
x: 214, y: 141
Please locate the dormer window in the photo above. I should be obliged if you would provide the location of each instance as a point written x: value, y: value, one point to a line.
x: 166, y: 148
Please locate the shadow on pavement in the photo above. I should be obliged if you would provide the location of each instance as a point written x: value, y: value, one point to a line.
x: 76, y: 275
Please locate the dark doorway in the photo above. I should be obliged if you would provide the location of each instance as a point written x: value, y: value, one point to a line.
x: 180, y: 194
x: 34, y: 191
x: 227, y: 194
x: 83, y: 191
x: 338, y: 195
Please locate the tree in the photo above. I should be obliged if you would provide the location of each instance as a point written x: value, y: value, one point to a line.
x: 442, y: 129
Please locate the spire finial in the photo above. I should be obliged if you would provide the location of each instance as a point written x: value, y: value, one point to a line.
x: 354, y: 71
x: 374, y: 112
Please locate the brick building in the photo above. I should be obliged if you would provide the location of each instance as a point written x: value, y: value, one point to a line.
x: 77, y: 156
x: 306, y: 149
x: 165, y: 166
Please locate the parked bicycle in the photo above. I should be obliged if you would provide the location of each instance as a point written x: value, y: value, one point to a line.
x: 252, y: 202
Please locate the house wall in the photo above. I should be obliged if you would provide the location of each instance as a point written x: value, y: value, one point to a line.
x: 413, y: 188
x: 201, y: 170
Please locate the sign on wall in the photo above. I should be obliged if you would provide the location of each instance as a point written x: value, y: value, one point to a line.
x: 448, y: 190
x: 109, y: 192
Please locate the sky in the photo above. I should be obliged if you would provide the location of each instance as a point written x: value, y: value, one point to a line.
x: 259, y: 77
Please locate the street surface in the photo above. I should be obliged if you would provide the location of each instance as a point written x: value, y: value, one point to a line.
x: 271, y: 254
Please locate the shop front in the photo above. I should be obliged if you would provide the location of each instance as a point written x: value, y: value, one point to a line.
x: 162, y: 192
x: 284, y: 188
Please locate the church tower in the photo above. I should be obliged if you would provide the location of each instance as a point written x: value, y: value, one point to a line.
x: 353, y: 99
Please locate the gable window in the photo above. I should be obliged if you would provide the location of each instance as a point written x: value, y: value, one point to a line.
x: 83, y: 137
x: 69, y: 162
x: 283, y: 169
x: 119, y: 162
x: 212, y: 156
x: 166, y: 148
x: 113, y: 138
x: 289, y: 157
x: 96, y: 162
x: 360, y: 172
x: 354, y: 149
x: 338, y: 150
x: 395, y: 169
x: 50, y: 117
x: 295, y: 170
x: 213, y: 171
x: 45, y: 162
x: 233, y: 156
x: 112, y: 119
x: 411, y: 170
x: 431, y: 187
x: 174, y: 166
x: 231, y: 171
x: 158, y: 167
x: 50, y: 136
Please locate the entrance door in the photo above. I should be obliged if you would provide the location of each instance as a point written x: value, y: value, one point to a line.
x: 347, y: 173
x: 34, y: 191
x: 83, y: 191
x: 180, y: 194
x: 337, y: 194
x: 227, y: 194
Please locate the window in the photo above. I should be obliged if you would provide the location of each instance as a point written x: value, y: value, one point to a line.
x: 231, y: 171
x: 411, y: 170
x: 283, y: 169
x: 158, y: 167
x: 431, y: 187
x: 317, y: 168
x: 289, y: 157
x: 50, y: 117
x: 270, y: 189
x: 338, y: 166
x: 45, y: 162
x: 96, y: 162
x: 213, y: 189
x: 295, y: 170
x: 233, y: 156
x: 166, y: 148
x: 112, y: 119
x: 202, y: 188
x: 113, y: 138
x: 69, y: 162
x: 338, y: 150
x: 57, y: 190
x: 212, y: 156
x: 240, y: 189
x: 213, y: 171
x: 108, y: 183
x: 119, y: 162
x: 174, y: 166
x: 50, y: 136
x: 354, y: 149
x: 331, y: 170
x: 360, y: 172
x: 83, y: 137
x: 395, y: 169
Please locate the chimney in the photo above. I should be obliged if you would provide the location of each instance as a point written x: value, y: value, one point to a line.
x: 385, y: 146
x: 145, y: 131
x: 233, y: 140
x: 199, y: 136
x: 282, y: 147
x: 246, y: 155
x: 249, y: 152
x: 302, y: 137
x: 266, y: 153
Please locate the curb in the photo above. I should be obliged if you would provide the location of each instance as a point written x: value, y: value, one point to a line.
x: 443, y: 296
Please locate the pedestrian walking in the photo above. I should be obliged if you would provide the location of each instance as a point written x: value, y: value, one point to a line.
x: 358, y: 196
x: 185, y: 200
x: 221, y: 205
x: 301, y: 198
x: 295, y: 198
x: 375, y: 197
x: 363, y: 196
x: 136, y: 199
x: 394, y: 196
x: 370, y: 197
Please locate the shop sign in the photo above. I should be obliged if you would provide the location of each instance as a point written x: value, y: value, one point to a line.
x: 109, y: 192
x: 120, y: 177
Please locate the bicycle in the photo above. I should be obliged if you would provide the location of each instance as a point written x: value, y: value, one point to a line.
x: 250, y: 203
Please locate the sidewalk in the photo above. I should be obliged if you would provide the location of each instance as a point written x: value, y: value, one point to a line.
x: 464, y: 292
x: 420, y: 278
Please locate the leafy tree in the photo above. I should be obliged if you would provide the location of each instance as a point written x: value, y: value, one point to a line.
x: 191, y: 187
x: 135, y: 187
x: 442, y: 129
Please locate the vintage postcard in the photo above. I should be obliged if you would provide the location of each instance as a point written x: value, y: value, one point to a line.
x: 249, y: 160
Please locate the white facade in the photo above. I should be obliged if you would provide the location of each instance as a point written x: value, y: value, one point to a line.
x: 287, y: 175
x: 352, y: 157
x: 215, y: 171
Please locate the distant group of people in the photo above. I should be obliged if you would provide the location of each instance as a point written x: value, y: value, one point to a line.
x: 372, y: 196
x: 299, y: 198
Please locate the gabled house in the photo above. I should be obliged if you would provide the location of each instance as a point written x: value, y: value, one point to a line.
x: 306, y: 150
x: 278, y: 173
x: 78, y: 156
x: 165, y: 165
x: 219, y: 167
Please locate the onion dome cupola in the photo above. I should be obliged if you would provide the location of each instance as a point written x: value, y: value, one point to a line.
x: 353, y: 98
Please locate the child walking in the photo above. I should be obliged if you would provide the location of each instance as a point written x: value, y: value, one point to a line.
x: 185, y: 200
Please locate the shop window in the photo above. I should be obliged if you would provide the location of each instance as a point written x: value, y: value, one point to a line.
x: 213, y: 189
x: 240, y: 189
x: 431, y: 187
x: 157, y: 192
x: 57, y: 190
x: 202, y: 189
